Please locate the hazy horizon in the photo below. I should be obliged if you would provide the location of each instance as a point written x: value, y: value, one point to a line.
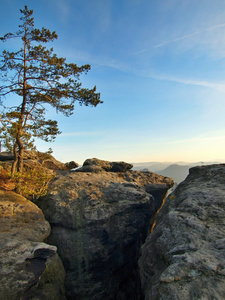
x: 180, y: 162
x: 160, y: 69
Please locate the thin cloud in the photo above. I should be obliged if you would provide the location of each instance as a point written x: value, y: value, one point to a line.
x: 188, y: 35
x: 213, y: 85
x: 94, y: 60
x: 64, y: 10
x: 98, y: 62
x: 123, y: 67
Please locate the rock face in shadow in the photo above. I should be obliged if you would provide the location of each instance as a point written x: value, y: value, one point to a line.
x: 184, y: 257
x: 29, y: 268
x: 99, y: 221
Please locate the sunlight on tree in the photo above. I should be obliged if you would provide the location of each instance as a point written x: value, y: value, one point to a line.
x: 38, y: 77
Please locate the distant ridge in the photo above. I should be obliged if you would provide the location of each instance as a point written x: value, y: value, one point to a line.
x: 178, y: 171
x: 151, y: 166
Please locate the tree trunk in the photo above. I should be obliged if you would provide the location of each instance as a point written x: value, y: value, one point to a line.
x: 19, y: 142
x: 13, y: 170
x: 23, y: 108
x: 20, y: 155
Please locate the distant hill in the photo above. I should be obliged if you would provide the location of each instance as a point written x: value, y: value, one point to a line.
x: 177, y: 171
x: 151, y: 166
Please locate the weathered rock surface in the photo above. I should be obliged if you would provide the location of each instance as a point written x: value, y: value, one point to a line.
x: 97, y: 165
x: 4, y: 156
x: 29, y: 268
x: 184, y: 257
x: 38, y: 159
x: 99, y: 221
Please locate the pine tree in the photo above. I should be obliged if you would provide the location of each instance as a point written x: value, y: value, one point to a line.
x: 38, y: 77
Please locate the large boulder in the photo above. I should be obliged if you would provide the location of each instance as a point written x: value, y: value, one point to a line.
x: 99, y: 222
x: 98, y: 165
x: 184, y: 257
x: 71, y: 165
x: 30, y: 269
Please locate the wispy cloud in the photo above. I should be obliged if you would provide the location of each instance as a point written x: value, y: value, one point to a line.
x: 188, y: 35
x: 64, y: 10
x: 218, y: 86
x: 213, y: 85
x: 130, y: 67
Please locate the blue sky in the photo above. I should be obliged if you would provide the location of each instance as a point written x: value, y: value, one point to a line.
x: 160, y: 69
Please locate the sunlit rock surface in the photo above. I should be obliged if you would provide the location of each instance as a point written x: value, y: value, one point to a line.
x: 36, y: 159
x: 99, y: 221
x: 29, y: 268
x: 184, y: 257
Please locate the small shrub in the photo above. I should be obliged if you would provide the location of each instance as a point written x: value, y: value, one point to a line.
x: 33, y: 183
x: 6, y: 181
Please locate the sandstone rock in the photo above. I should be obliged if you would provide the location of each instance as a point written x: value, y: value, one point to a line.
x: 184, y: 257
x: 37, y: 159
x: 99, y: 221
x: 34, y: 155
x: 90, y: 169
x: 105, y: 165
x: 30, y: 269
x: 44, y: 160
x: 71, y: 165
x: 4, y: 156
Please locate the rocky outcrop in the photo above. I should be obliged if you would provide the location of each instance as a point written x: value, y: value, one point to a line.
x: 29, y: 268
x: 37, y: 159
x: 4, y: 156
x: 97, y: 165
x: 99, y: 221
x: 184, y: 257
x: 71, y: 165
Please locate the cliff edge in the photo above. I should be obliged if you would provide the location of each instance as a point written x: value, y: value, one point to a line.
x: 184, y: 257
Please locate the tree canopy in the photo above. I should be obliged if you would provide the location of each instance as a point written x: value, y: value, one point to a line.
x: 38, y: 77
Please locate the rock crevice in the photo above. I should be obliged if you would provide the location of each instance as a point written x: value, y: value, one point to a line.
x: 184, y: 257
x: 99, y: 219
